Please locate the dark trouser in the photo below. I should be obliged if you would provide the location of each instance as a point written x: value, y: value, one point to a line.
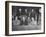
x: 24, y: 22
x: 37, y: 19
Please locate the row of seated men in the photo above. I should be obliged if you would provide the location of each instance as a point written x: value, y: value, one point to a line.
x: 24, y: 18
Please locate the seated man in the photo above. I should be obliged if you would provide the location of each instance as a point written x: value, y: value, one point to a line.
x: 16, y: 21
x: 23, y: 20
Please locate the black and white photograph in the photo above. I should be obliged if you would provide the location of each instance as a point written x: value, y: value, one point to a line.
x: 26, y: 18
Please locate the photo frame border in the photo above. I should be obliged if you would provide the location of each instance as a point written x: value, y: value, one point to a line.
x: 7, y: 17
